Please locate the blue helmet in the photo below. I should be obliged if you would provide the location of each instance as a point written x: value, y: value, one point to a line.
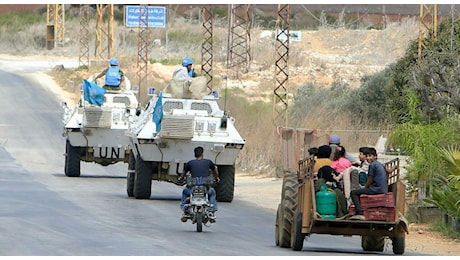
x: 334, y: 139
x: 187, y: 61
x: 114, y: 62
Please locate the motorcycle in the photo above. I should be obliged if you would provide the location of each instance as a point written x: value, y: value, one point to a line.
x: 198, y: 205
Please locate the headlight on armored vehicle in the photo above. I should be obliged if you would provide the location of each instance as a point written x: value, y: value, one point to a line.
x: 199, y: 126
x: 211, y: 127
x: 116, y: 116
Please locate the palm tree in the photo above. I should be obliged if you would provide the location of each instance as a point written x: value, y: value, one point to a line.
x: 446, y: 194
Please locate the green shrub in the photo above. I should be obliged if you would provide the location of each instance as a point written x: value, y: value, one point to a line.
x: 220, y: 12
x: 422, y: 142
x: 445, y: 229
x: 447, y: 194
x: 369, y: 102
x: 19, y: 21
x: 185, y: 37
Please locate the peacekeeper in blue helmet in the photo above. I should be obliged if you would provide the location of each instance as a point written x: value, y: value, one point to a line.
x: 186, y: 71
x: 114, y: 76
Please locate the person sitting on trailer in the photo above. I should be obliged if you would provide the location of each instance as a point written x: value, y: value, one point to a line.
x: 377, y: 182
x: 322, y: 158
x: 326, y: 174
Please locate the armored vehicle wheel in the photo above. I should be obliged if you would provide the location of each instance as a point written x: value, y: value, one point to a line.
x: 288, y: 208
x: 297, y: 237
x: 65, y: 157
x: 399, y: 245
x: 72, y: 160
x: 131, y: 175
x: 226, y: 187
x: 199, y: 221
x: 373, y: 243
x: 143, y: 179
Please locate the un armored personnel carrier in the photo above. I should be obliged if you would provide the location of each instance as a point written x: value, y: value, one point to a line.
x: 97, y: 133
x: 164, y: 135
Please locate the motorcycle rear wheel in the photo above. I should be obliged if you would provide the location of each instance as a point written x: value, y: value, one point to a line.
x: 199, y: 221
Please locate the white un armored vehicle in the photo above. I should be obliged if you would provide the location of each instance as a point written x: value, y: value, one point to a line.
x: 97, y: 133
x: 185, y: 124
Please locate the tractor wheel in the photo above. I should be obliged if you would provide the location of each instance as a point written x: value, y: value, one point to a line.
x: 226, y: 187
x: 277, y: 225
x: 288, y: 208
x: 143, y: 179
x: 399, y: 245
x: 297, y: 237
x: 72, y: 160
x: 373, y: 243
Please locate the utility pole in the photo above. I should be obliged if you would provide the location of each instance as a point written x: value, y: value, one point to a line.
x: 104, y: 32
x: 427, y: 26
x: 239, y: 41
x: 142, y: 46
x: 280, y: 102
x: 55, y: 20
x: 206, y: 45
x: 83, y: 58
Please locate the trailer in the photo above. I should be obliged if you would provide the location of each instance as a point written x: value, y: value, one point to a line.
x: 297, y: 217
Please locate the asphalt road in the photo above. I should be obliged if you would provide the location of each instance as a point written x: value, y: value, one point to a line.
x: 43, y: 212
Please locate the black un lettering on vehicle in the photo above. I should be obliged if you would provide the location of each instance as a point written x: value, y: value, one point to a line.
x: 115, y: 152
x: 179, y: 171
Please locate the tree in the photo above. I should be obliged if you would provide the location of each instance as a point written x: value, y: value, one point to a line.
x: 428, y: 90
x: 424, y: 96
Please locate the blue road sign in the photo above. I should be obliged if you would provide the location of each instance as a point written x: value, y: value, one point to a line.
x: 156, y: 16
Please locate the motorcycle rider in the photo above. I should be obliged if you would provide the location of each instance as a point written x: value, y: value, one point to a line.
x: 199, y: 167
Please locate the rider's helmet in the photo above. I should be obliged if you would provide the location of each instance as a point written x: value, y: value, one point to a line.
x: 113, y: 62
x: 187, y: 61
